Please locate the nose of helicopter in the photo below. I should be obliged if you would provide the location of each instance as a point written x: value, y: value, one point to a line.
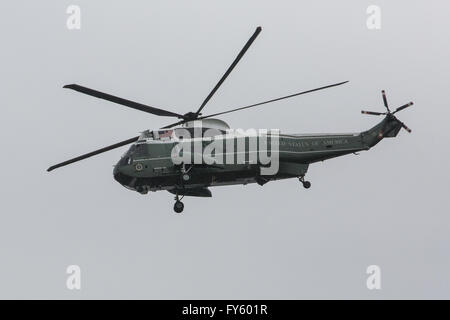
x: 120, y: 177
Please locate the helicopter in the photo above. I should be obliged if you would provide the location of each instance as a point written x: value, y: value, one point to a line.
x: 148, y: 165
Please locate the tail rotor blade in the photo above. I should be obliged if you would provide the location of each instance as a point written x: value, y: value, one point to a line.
x: 406, y: 128
x: 372, y: 113
x: 403, y: 107
x: 385, y: 100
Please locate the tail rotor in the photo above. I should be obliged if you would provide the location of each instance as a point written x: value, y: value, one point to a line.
x: 388, y: 112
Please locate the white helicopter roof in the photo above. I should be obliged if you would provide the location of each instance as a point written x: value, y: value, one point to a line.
x: 207, y: 123
x: 167, y: 134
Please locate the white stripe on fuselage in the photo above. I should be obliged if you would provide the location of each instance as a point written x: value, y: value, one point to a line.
x: 291, y: 152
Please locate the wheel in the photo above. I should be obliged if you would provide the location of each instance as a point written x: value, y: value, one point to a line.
x: 178, y: 207
x: 307, y: 184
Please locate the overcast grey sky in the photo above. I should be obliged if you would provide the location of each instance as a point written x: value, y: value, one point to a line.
x: 388, y: 206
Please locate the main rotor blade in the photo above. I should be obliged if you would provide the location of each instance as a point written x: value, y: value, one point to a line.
x: 403, y: 107
x: 93, y: 153
x: 174, y: 124
x: 272, y: 100
x: 128, y: 103
x: 235, y: 62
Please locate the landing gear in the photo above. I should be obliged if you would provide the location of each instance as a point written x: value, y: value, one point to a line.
x: 306, y: 184
x: 178, y: 206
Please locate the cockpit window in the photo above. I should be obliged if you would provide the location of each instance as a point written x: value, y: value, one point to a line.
x: 141, y: 150
x: 147, y: 134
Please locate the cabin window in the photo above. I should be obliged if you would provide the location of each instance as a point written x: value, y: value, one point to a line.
x: 145, y: 135
x: 141, y: 150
